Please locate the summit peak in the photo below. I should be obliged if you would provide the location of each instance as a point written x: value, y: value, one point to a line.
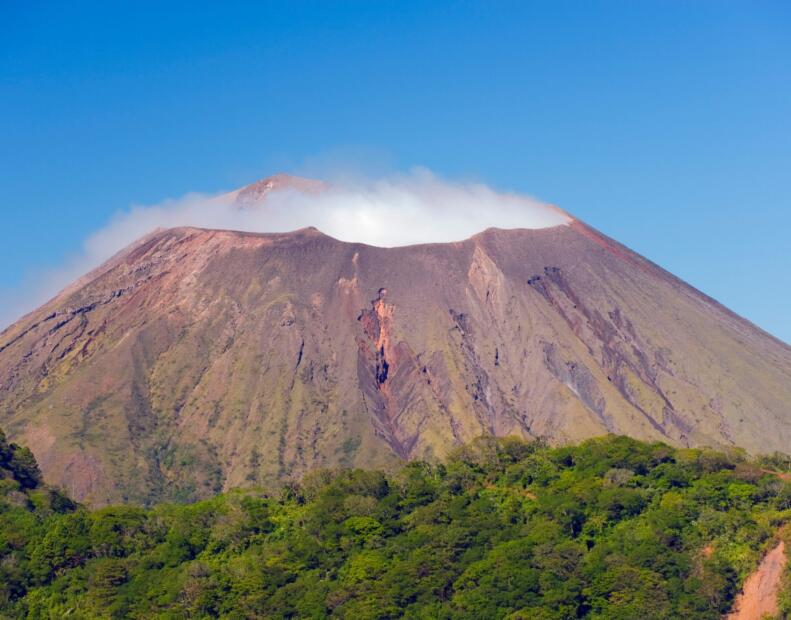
x: 257, y: 191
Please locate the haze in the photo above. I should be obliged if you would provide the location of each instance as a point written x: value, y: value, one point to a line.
x: 395, y: 210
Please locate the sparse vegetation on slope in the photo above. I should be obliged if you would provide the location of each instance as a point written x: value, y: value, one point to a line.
x: 157, y: 377
x: 612, y: 528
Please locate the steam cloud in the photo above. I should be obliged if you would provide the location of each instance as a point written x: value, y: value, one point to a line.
x: 397, y: 210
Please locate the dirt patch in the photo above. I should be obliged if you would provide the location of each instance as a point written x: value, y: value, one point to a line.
x: 779, y: 474
x: 758, y: 598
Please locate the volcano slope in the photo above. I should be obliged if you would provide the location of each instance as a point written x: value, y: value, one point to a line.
x: 199, y: 360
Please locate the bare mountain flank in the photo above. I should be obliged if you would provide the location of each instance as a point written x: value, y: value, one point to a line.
x: 197, y: 360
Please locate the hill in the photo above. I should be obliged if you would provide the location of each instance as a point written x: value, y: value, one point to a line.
x: 612, y: 528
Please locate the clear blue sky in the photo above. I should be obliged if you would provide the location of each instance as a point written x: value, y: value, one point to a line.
x: 665, y: 124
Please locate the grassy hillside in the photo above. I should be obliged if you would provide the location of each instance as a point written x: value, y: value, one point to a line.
x: 612, y: 528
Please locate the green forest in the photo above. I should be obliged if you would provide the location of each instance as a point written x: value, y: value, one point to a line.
x: 612, y: 528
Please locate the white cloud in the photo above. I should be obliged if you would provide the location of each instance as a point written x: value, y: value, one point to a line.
x: 396, y: 210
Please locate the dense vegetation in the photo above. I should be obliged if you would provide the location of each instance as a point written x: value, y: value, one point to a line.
x: 613, y: 528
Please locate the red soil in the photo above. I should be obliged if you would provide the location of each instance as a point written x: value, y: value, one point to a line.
x: 758, y: 598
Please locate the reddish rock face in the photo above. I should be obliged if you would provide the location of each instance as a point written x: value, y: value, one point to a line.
x: 254, y: 193
x: 198, y: 360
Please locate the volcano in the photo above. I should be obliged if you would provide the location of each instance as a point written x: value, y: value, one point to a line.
x: 199, y: 360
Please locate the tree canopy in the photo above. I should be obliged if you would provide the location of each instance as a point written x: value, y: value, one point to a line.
x: 612, y: 528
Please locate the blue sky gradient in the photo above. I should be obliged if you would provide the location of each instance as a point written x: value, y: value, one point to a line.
x: 666, y: 125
